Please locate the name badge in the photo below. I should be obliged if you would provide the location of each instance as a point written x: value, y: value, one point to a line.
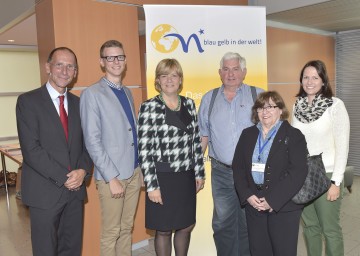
x: 257, y: 167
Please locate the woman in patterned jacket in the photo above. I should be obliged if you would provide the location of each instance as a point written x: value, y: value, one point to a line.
x: 171, y: 160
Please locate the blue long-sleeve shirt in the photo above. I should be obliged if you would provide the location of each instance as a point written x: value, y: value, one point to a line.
x: 227, y: 121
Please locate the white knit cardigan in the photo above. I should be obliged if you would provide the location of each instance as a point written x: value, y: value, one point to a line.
x: 329, y: 135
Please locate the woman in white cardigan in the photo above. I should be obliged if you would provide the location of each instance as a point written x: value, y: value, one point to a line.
x: 324, y: 121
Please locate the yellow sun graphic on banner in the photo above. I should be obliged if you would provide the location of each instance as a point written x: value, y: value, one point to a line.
x: 162, y: 43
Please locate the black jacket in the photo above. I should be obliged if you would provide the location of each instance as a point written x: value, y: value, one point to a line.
x: 285, y: 169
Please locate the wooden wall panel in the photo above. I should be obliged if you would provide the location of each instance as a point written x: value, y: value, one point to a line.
x: 137, y: 94
x: 287, y: 53
x: 45, y: 34
x: 83, y: 26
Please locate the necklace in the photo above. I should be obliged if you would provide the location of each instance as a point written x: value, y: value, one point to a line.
x: 178, y: 105
x: 265, y: 133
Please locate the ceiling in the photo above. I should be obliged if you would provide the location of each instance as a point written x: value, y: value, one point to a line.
x: 317, y: 17
x: 23, y: 34
x: 330, y: 16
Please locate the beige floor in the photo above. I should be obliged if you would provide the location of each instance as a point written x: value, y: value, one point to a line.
x: 15, y: 227
x: 350, y: 219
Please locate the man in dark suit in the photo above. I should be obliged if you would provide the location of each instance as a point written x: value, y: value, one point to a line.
x: 55, y: 159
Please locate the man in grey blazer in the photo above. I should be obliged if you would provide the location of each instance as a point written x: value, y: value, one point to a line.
x: 109, y: 125
x: 55, y: 159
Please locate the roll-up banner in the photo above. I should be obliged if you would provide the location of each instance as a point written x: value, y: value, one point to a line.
x: 198, y: 36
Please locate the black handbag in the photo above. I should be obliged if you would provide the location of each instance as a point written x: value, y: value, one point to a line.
x: 316, y: 182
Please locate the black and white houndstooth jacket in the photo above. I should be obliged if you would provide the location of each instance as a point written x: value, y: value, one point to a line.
x: 166, y: 146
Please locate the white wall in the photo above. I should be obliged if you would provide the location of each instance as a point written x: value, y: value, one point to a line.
x: 19, y: 72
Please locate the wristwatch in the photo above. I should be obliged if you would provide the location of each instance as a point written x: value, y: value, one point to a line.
x: 336, y: 183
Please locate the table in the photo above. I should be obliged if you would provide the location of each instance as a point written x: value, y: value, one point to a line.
x: 13, y: 152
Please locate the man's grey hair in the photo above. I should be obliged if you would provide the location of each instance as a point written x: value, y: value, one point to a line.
x: 231, y: 56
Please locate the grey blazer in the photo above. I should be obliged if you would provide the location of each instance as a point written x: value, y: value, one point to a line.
x: 107, y: 132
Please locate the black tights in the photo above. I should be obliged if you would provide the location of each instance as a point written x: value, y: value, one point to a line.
x: 181, y: 241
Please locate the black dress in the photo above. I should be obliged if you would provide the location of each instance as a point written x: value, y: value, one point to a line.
x: 178, y: 190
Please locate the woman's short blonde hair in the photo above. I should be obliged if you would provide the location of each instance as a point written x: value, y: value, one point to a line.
x: 264, y: 98
x: 165, y: 67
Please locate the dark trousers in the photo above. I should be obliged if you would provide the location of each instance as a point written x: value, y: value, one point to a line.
x: 58, y: 231
x: 273, y: 234
x: 229, y: 221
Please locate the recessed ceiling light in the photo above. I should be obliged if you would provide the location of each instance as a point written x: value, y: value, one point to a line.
x: 11, y: 40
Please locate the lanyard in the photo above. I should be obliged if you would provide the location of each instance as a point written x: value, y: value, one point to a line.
x: 261, y: 148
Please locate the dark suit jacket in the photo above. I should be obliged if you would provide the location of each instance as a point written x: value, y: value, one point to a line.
x: 47, y: 155
x: 285, y: 169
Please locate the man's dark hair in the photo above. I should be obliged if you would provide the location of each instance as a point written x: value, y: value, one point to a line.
x: 63, y: 48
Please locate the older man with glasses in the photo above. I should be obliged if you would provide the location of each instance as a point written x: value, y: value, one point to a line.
x: 109, y: 125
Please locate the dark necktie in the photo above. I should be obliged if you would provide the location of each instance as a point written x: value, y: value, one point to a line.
x: 63, y: 116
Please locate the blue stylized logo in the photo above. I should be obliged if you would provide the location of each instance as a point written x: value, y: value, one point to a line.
x: 166, y: 39
x: 184, y: 45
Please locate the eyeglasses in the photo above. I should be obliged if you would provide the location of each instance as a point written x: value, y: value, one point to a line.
x: 61, y: 66
x: 112, y: 58
x: 267, y: 108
